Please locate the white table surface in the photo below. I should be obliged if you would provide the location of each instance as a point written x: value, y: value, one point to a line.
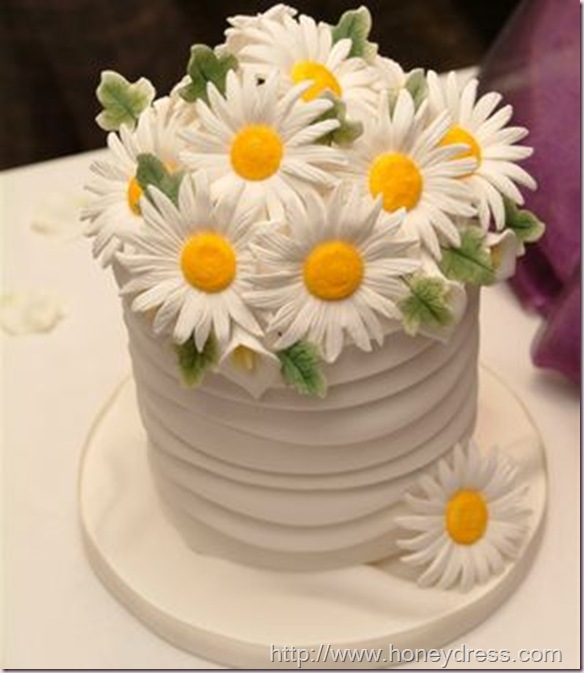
x: 56, y: 612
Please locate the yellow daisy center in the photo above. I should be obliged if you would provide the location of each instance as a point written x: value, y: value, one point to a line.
x: 398, y: 179
x: 456, y: 135
x: 466, y: 516
x: 322, y: 79
x: 496, y: 255
x: 244, y: 358
x: 333, y: 270
x: 256, y: 152
x: 208, y: 262
x: 133, y: 194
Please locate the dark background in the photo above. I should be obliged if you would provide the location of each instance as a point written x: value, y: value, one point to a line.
x: 52, y: 51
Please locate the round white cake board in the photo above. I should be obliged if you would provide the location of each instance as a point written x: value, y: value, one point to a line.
x: 234, y: 614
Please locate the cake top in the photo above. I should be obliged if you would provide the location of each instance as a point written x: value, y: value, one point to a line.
x: 297, y: 193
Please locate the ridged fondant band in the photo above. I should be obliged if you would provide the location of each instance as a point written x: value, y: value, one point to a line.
x: 292, y: 482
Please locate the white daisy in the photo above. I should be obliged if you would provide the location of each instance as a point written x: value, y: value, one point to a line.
x: 488, y: 139
x: 114, y: 212
x: 267, y: 143
x: 237, y: 35
x: 303, y: 50
x: 247, y: 362
x: 391, y: 76
x: 191, y: 264
x: 336, y: 274
x: 467, y: 521
x: 400, y: 158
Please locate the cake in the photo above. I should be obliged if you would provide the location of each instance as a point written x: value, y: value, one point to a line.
x: 300, y: 231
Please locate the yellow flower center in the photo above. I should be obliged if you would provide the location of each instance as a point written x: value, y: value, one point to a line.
x: 208, y: 262
x: 398, y: 179
x: 456, y: 135
x: 333, y: 270
x: 244, y: 358
x: 256, y: 152
x: 496, y: 255
x: 322, y: 79
x: 133, y: 194
x: 466, y: 516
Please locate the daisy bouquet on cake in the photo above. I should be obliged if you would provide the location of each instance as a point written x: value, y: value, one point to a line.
x: 297, y: 194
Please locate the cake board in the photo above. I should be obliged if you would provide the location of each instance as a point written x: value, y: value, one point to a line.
x: 236, y: 615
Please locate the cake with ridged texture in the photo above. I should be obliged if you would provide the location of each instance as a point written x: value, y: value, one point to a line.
x: 300, y: 231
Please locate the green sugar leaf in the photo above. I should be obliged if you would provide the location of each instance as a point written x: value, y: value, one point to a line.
x: 152, y: 172
x: 123, y: 102
x: 526, y: 226
x: 471, y: 262
x: 355, y: 25
x: 347, y: 132
x: 426, y: 304
x: 194, y: 364
x: 417, y: 86
x: 301, y: 368
x: 205, y: 66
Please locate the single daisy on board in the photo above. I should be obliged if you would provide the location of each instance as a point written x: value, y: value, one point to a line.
x: 114, y: 211
x: 466, y: 522
x: 400, y: 157
x: 256, y: 138
x: 335, y: 276
x: 191, y: 264
x: 305, y: 51
x: 488, y: 139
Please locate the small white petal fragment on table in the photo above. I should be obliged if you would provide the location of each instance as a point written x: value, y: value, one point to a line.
x: 58, y: 215
x: 30, y: 312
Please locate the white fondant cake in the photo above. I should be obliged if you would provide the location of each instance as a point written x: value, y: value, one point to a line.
x: 300, y: 231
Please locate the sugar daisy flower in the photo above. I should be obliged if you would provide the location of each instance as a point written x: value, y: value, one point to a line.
x: 238, y: 33
x: 489, y: 140
x: 303, y: 51
x: 467, y: 521
x: 391, y: 75
x: 191, y: 264
x: 114, y: 210
x: 335, y: 275
x: 255, y: 138
x: 400, y: 158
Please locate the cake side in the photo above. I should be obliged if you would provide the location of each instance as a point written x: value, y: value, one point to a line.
x: 282, y: 484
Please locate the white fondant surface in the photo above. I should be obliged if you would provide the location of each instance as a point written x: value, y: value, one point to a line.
x: 232, y: 613
x: 295, y: 483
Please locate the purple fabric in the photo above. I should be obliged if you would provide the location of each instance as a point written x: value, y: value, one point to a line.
x: 535, y: 64
x: 557, y: 345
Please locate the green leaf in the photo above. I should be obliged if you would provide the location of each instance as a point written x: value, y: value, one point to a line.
x: 194, y: 364
x: 123, y: 102
x: 417, y: 85
x: 152, y: 172
x: 526, y: 226
x: 205, y: 66
x: 301, y: 368
x: 347, y: 132
x: 355, y: 25
x: 426, y: 304
x: 471, y: 262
